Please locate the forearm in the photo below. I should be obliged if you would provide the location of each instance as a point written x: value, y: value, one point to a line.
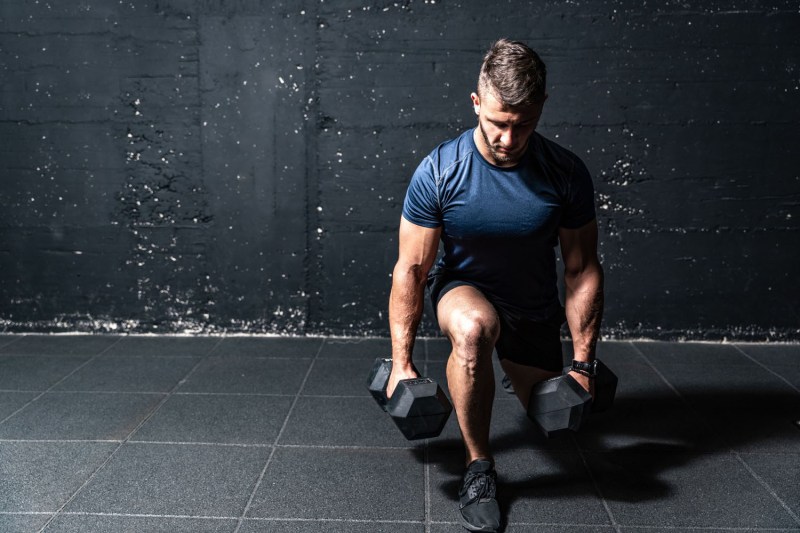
x: 584, y: 309
x: 405, y: 311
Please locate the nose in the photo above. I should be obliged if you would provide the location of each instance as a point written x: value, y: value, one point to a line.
x: 507, y: 138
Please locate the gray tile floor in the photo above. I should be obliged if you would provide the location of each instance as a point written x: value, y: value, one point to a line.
x: 209, y: 434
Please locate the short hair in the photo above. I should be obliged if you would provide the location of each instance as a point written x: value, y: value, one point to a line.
x: 514, y: 74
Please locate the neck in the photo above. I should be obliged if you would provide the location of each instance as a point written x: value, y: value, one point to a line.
x: 480, y: 142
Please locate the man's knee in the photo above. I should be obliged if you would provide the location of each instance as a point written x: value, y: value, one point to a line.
x: 473, y: 334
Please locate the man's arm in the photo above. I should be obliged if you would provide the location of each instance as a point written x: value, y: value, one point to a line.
x: 583, y: 278
x: 418, y: 248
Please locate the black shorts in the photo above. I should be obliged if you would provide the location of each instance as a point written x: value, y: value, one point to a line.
x: 522, y: 340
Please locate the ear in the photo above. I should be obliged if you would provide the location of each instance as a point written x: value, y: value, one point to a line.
x: 476, y: 103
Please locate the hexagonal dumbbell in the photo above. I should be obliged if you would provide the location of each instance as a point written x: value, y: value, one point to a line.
x: 418, y: 406
x: 605, y: 388
x: 561, y: 403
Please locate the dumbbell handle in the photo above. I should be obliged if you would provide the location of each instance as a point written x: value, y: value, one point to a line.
x: 409, y: 381
x: 418, y: 405
x: 605, y: 386
x: 383, y: 366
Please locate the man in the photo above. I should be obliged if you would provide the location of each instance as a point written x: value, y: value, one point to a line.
x: 500, y: 197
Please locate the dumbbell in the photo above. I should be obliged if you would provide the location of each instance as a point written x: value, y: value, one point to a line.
x: 561, y: 403
x: 418, y: 406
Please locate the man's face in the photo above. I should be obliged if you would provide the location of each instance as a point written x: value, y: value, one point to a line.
x: 504, y: 130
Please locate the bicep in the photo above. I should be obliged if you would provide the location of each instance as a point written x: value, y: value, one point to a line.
x: 579, y: 247
x: 418, y: 245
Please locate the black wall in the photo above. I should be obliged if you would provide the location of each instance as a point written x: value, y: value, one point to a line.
x: 240, y: 165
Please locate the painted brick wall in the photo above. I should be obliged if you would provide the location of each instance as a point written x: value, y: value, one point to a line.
x: 239, y: 166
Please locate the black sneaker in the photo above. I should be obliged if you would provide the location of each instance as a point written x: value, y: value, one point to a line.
x: 479, y: 509
x: 506, y: 383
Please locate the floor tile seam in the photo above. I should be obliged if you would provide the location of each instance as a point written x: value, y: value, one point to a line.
x: 765, y: 367
x: 61, y: 441
x: 596, y: 485
x: 299, y: 393
x: 145, y: 515
x: 345, y: 447
x: 342, y: 396
x: 427, y: 485
x: 731, y: 451
x: 9, y: 343
x: 260, y: 357
x: 263, y: 473
x: 334, y: 520
x: 663, y: 378
x: 501, y: 399
x: 220, y: 444
x: 746, y: 453
x: 768, y: 488
x: 69, y: 391
x: 115, y: 356
x: 167, y: 396
x: 427, y: 463
x: 26, y: 513
x: 530, y: 524
x: 254, y: 394
x: 708, y: 528
x: 51, y: 387
x: 111, y: 455
x: 365, y: 360
x: 693, y: 452
x: 105, y: 350
x: 201, y: 443
x: 697, y: 412
x: 220, y: 518
x: 362, y: 358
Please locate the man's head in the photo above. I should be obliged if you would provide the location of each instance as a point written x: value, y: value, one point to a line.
x: 514, y: 74
x: 509, y: 100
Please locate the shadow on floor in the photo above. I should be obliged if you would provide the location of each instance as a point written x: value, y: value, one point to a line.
x: 633, y: 446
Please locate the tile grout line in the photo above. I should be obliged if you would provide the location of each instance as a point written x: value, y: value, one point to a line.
x: 427, y: 463
x: 50, y: 388
x: 705, y: 528
x: 733, y: 452
x: 596, y: 485
x: 287, y: 446
x: 765, y: 367
x: 277, y: 439
x: 220, y: 444
x: 298, y: 446
x: 231, y: 518
x: 662, y: 377
x: 766, y: 487
x: 9, y: 343
x: 128, y: 437
x: 374, y: 521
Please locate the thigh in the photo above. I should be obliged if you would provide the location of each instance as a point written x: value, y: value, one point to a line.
x: 463, y: 307
x: 531, y: 343
x: 524, y: 377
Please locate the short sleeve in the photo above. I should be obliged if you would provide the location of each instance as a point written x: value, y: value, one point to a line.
x: 421, y: 205
x: 579, y: 209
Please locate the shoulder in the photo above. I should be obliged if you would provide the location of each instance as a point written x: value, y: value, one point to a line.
x: 555, y: 157
x: 450, y: 154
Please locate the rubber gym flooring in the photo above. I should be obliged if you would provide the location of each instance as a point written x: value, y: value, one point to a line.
x: 248, y: 434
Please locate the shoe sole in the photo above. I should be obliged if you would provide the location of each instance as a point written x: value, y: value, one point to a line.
x: 470, y: 527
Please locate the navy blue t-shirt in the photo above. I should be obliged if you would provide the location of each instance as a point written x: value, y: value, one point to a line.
x: 500, y: 225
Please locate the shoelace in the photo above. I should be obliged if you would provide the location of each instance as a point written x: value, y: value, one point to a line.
x: 478, y: 485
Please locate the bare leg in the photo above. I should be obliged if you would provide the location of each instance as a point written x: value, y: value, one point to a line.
x: 523, y: 378
x: 471, y: 323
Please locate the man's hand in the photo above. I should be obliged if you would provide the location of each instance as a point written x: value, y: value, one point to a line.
x: 584, y: 381
x: 399, y: 373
